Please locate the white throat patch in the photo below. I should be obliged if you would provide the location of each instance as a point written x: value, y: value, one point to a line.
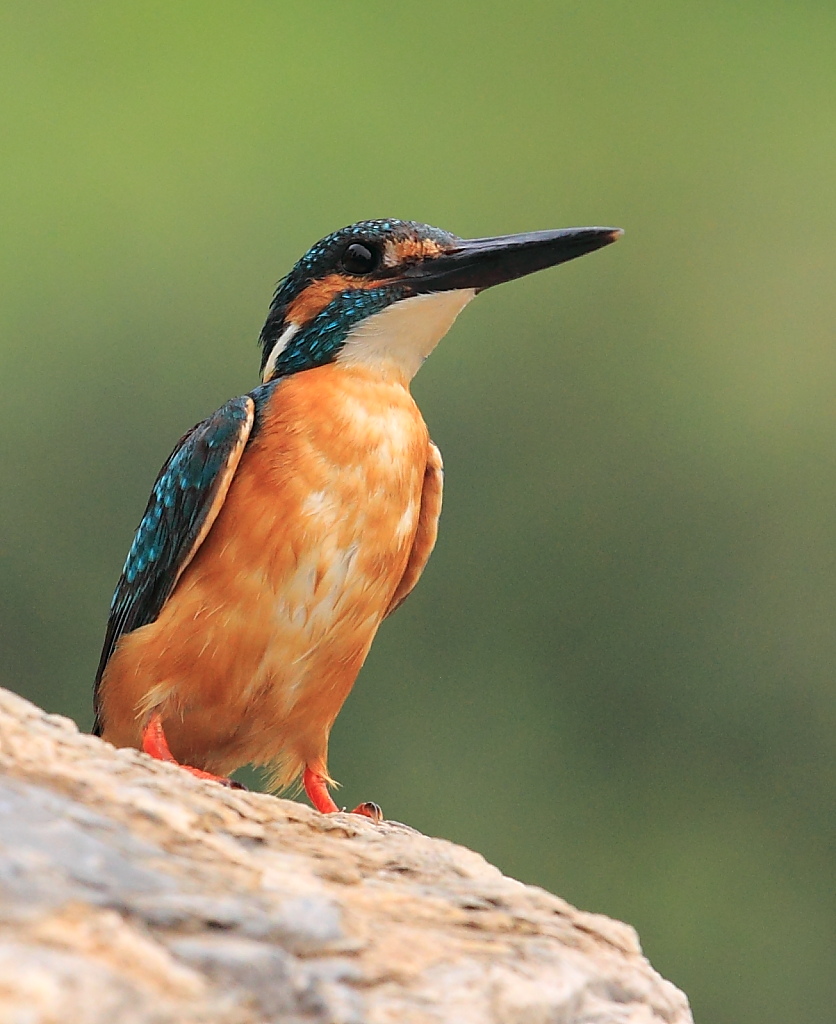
x: 404, y: 334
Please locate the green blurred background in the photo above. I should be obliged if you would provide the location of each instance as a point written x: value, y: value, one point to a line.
x: 616, y: 679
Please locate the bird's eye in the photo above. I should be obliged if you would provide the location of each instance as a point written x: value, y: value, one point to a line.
x: 359, y: 259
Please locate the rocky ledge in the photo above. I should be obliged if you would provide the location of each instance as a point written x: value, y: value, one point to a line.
x: 131, y: 892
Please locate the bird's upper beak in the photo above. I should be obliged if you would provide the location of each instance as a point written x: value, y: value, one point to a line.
x: 482, y: 262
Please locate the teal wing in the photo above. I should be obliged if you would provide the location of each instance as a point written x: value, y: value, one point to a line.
x: 185, y: 501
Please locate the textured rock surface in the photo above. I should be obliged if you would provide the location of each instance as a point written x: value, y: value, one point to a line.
x: 131, y: 892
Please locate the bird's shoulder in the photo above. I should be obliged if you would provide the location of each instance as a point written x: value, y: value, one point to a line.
x: 184, y: 502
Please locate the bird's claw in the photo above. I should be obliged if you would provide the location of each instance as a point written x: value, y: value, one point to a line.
x: 369, y: 809
x: 232, y: 784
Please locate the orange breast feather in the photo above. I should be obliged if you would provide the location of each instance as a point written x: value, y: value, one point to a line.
x: 259, y: 644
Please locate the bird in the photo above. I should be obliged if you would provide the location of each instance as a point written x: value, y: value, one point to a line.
x: 287, y: 525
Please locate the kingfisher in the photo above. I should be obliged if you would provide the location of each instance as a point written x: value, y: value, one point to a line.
x: 285, y: 527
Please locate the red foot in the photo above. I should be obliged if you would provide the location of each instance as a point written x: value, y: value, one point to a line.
x: 317, y: 789
x: 370, y: 809
x: 155, y: 745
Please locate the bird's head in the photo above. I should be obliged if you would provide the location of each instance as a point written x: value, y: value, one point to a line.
x: 384, y: 292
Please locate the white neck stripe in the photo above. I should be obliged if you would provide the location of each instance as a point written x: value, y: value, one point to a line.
x: 283, y: 341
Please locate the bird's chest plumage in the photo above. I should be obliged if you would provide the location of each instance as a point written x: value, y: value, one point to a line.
x: 331, y: 493
x: 288, y: 589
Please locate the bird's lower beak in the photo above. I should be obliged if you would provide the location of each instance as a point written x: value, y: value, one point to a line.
x: 482, y: 262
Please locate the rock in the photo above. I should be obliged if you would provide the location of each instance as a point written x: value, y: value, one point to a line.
x: 132, y: 892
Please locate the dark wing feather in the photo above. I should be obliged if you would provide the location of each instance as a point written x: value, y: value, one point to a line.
x: 186, y: 499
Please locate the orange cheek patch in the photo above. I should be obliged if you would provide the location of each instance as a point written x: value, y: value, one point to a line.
x: 320, y: 294
x: 408, y: 250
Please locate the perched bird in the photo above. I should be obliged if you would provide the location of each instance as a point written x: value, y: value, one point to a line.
x: 287, y: 525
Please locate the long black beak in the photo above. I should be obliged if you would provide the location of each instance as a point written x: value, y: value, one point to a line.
x: 482, y: 262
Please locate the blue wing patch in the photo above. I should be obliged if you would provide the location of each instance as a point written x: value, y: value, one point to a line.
x: 186, y: 499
